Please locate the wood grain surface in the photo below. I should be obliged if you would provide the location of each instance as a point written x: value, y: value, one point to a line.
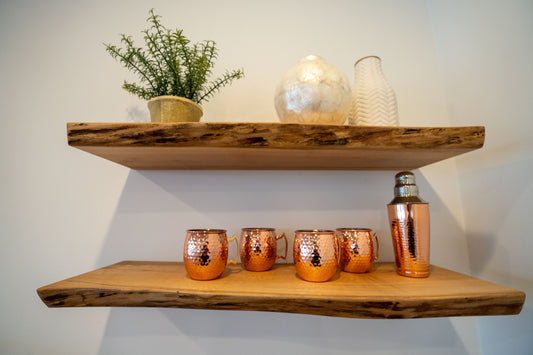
x: 378, y: 294
x: 205, y: 145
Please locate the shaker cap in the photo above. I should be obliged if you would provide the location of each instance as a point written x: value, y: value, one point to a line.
x: 405, y: 189
x: 405, y: 184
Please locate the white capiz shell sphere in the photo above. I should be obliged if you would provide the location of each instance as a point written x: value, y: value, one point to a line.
x: 313, y: 91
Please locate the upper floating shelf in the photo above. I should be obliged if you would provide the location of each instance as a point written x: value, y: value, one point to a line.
x: 272, y: 146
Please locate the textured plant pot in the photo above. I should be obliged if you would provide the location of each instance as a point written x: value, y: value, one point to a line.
x: 174, y: 109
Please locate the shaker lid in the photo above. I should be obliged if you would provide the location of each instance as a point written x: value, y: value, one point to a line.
x: 405, y: 189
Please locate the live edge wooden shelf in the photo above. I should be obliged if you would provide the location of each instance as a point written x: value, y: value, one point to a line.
x: 378, y: 294
x: 272, y: 146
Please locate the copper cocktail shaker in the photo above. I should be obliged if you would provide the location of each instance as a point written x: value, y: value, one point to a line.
x: 409, y: 224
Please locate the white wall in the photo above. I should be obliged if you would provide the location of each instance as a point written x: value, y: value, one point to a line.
x: 64, y: 212
x: 486, y: 53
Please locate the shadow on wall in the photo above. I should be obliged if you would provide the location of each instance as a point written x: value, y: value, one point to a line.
x: 504, y: 193
x: 156, y: 207
x: 500, y: 335
x: 137, y: 113
x: 233, y: 332
x: 497, y: 201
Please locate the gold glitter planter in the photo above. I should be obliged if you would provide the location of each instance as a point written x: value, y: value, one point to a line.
x: 381, y: 293
x: 167, y: 109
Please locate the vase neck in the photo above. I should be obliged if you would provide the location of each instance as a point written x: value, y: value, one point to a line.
x: 371, y: 63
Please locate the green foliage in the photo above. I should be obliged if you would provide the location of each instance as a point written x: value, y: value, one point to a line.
x: 170, y: 65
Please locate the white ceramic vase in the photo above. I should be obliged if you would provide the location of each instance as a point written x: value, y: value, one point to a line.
x: 373, y: 99
x: 313, y: 91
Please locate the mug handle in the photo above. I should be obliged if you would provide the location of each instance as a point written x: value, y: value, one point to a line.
x: 376, y: 253
x: 278, y: 237
x: 338, y: 245
x: 234, y: 239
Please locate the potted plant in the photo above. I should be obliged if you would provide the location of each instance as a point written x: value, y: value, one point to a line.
x: 173, y: 72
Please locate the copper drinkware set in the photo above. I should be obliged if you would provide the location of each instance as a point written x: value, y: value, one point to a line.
x: 317, y: 253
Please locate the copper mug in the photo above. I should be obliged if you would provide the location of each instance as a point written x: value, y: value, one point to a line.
x: 315, y: 254
x: 357, y: 249
x: 258, y: 248
x: 205, y: 254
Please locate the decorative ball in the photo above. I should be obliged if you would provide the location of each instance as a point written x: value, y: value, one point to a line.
x: 313, y: 91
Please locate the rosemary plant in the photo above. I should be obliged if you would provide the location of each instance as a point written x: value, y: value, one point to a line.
x: 170, y: 64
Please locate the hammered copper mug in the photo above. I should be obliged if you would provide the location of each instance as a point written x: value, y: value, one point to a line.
x: 205, y: 254
x: 258, y: 248
x: 357, y: 249
x: 315, y: 254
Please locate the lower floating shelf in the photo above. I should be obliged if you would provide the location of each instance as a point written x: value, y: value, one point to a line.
x: 378, y: 294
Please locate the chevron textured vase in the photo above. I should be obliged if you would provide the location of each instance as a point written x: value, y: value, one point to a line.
x: 373, y: 99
